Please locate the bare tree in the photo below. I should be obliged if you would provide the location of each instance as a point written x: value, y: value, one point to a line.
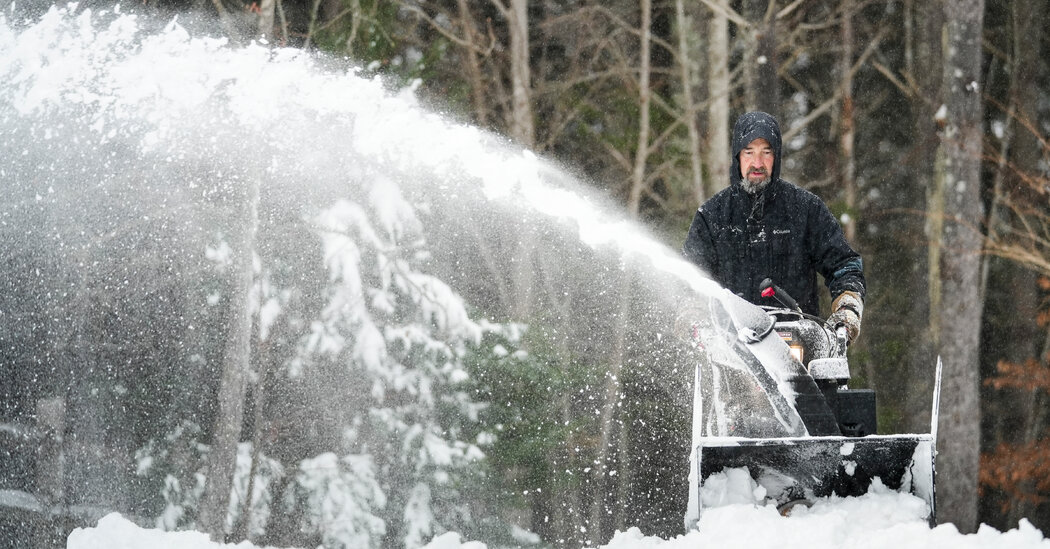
x: 645, y: 97
x: 1018, y: 221
x: 847, y: 130
x: 958, y: 189
x: 522, y: 126
x: 686, y: 28
x: 610, y: 425
x: 265, y: 17
x: 226, y: 433
x: 718, y: 151
x: 762, y: 88
x: 473, y: 48
x: 920, y: 80
x: 522, y: 129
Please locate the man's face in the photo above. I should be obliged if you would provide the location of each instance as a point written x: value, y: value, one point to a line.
x: 756, y: 162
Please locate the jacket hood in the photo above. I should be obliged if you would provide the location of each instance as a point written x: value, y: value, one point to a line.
x: 749, y: 127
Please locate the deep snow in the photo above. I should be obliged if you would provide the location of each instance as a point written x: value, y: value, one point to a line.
x: 881, y: 518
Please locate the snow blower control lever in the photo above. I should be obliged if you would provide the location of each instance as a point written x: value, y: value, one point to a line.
x: 769, y: 289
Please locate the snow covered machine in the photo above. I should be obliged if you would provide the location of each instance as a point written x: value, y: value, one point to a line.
x: 774, y: 421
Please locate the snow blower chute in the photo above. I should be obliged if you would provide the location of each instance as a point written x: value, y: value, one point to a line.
x: 773, y: 419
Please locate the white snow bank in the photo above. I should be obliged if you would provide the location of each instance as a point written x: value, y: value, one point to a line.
x: 880, y: 519
x: 116, y: 532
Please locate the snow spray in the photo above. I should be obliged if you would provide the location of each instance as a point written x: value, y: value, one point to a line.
x: 123, y: 139
x: 104, y: 108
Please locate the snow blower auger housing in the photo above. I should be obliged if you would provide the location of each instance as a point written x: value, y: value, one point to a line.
x: 774, y: 422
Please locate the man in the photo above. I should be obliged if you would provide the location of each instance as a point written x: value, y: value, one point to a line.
x: 762, y: 226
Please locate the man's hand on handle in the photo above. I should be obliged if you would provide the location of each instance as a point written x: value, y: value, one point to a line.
x: 846, y: 311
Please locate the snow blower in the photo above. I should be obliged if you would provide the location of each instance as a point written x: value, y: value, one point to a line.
x: 774, y: 421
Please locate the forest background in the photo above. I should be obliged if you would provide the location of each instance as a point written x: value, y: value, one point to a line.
x: 923, y: 125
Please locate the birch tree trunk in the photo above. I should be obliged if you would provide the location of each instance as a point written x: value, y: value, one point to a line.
x: 226, y: 434
x: 685, y: 28
x: 959, y: 308
x: 522, y: 127
x: 718, y: 151
x: 522, y: 130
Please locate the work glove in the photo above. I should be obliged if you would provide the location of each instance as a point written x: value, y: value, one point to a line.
x: 847, y: 309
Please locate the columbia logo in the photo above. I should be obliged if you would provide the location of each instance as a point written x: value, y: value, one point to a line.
x: 781, y: 231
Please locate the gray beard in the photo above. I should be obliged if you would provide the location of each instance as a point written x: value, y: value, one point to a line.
x: 753, y: 188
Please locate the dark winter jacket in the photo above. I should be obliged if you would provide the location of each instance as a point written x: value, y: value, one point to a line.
x: 784, y: 232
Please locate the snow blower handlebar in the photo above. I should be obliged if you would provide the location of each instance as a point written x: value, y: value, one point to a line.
x: 842, y: 336
x: 769, y: 289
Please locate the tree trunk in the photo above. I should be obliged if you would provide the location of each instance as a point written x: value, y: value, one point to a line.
x: 685, y: 28
x: 641, y: 155
x: 226, y: 434
x: 760, y: 72
x: 613, y: 387
x: 1026, y: 152
x: 718, y: 151
x: 242, y: 527
x: 473, y: 66
x: 922, y: 67
x: 284, y: 22
x: 265, y: 19
x: 332, y: 8
x: 612, y: 428
x: 227, y: 21
x: 847, y: 125
x: 51, y: 418
x: 565, y: 517
x: 96, y: 428
x: 959, y: 307
x: 521, y: 130
x: 522, y: 127
x: 50, y: 466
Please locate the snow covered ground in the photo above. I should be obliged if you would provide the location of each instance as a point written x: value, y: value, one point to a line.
x: 881, y: 518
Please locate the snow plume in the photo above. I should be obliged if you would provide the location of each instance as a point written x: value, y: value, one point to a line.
x: 385, y: 233
x: 115, y: 125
